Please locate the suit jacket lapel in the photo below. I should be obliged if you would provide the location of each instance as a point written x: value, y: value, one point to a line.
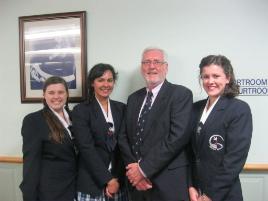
x: 157, y: 107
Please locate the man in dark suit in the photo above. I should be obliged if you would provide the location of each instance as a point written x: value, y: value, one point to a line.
x: 153, y: 140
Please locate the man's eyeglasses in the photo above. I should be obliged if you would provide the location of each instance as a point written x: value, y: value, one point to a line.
x: 154, y: 62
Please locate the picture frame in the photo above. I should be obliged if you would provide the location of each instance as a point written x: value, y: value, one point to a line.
x: 52, y: 45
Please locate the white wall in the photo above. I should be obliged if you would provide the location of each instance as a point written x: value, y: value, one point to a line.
x: 118, y: 31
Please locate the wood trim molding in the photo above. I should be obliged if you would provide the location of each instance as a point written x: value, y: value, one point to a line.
x: 255, y: 167
x: 10, y: 159
x: 247, y: 167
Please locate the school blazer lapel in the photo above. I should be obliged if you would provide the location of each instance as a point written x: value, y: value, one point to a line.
x: 215, y: 113
x: 196, y: 126
x: 116, y: 117
x: 214, y: 116
x: 100, y: 119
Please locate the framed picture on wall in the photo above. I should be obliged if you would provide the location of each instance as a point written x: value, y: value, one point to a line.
x: 52, y: 45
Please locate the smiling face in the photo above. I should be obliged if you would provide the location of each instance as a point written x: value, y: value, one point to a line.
x: 103, y: 86
x: 56, y: 96
x: 214, y: 80
x: 154, y: 68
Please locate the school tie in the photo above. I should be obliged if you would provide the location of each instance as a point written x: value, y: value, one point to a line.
x: 141, y: 124
x: 110, y: 138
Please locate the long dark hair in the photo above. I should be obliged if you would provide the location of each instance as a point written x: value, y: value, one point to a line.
x: 56, y: 128
x: 231, y: 89
x: 96, y: 72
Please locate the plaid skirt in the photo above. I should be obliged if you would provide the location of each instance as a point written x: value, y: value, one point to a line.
x: 120, y: 196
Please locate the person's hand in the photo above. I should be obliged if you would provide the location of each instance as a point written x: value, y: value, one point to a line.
x: 144, y: 185
x: 112, y: 187
x: 204, y: 198
x: 193, y: 194
x: 134, y: 174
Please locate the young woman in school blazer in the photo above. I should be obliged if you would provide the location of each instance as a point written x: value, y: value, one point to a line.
x: 49, y: 157
x: 222, y: 134
x: 96, y: 124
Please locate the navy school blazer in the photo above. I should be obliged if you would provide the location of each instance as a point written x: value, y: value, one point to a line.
x: 90, y: 131
x: 49, y: 169
x: 220, y: 148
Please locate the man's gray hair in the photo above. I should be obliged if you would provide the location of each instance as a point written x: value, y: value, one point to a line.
x: 157, y: 49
